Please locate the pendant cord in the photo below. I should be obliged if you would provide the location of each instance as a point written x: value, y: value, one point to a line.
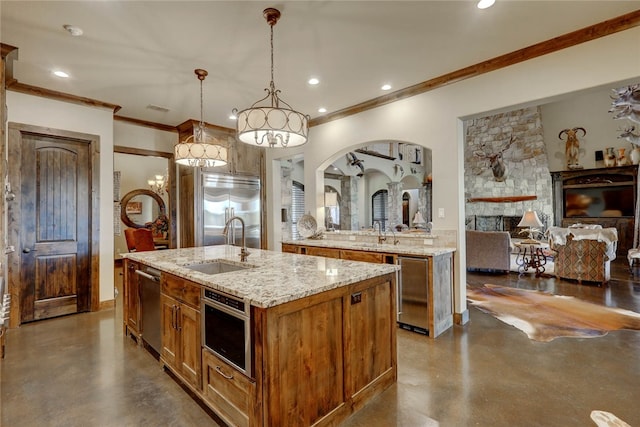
x: 201, y: 104
x: 272, y: 84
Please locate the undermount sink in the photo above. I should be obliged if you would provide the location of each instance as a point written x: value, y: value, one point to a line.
x: 216, y: 267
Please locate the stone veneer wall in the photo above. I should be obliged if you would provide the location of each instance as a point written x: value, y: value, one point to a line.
x: 526, y: 161
x: 349, y: 203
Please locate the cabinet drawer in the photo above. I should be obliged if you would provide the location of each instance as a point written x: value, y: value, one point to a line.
x: 293, y: 249
x: 325, y: 252
x: 362, y: 256
x: 227, y: 391
x: 181, y: 289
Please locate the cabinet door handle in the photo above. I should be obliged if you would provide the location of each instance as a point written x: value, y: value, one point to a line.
x: 178, y: 326
x: 174, y: 317
x: 218, y: 370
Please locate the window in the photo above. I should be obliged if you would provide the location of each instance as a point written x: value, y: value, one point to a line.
x: 379, y: 208
x: 297, y: 207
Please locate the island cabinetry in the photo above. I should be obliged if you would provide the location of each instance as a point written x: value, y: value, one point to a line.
x: 132, y: 308
x: 228, y: 392
x: 181, y: 340
x: 320, y: 251
x: 324, y: 356
x: 292, y: 249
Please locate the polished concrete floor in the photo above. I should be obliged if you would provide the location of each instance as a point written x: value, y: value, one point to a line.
x: 79, y: 371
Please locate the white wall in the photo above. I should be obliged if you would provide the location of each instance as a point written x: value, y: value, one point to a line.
x: 32, y: 110
x: 590, y: 111
x: 134, y: 136
x: 433, y: 119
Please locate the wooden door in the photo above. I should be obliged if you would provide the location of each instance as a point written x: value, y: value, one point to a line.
x: 168, y: 311
x: 132, y: 299
x: 55, y: 268
x: 190, y: 348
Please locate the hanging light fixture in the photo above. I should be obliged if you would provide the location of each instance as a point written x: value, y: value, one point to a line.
x: 158, y: 184
x: 271, y: 124
x: 200, y: 149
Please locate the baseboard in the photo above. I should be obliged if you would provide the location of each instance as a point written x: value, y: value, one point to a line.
x: 107, y: 304
x: 461, y: 318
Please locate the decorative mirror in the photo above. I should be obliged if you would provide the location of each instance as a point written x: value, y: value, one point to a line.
x: 142, y: 209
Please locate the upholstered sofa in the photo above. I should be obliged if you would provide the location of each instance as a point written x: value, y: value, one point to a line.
x: 488, y: 250
x: 583, y: 254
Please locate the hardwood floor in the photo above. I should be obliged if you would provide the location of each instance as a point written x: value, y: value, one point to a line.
x: 79, y: 370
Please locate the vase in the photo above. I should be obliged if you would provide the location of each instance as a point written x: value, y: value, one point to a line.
x: 621, y: 160
x: 635, y: 155
x: 609, y: 157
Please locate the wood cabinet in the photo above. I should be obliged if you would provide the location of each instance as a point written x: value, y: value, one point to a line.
x: 293, y: 249
x: 317, y: 251
x: 181, y: 340
x: 316, y: 360
x: 228, y: 392
x: 132, y: 310
x: 438, y: 283
x: 604, y: 196
x: 324, y: 356
x: 376, y: 257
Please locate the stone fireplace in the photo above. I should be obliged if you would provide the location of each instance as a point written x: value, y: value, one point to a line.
x: 527, y: 170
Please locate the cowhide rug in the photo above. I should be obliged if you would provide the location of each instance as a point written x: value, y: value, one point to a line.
x: 544, y: 317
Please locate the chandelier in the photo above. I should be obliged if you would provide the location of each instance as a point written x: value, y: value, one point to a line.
x: 158, y: 184
x: 200, y: 149
x: 271, y: 124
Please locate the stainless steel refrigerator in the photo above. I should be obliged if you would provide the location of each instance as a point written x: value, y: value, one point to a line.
x: 226, y: 196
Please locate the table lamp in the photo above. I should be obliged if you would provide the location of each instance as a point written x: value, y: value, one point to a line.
x: 530, y: 219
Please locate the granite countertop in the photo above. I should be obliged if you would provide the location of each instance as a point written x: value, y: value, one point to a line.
x: 274, y: 277
x: 387, y: 248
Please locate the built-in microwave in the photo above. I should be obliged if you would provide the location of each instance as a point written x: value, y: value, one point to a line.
x: 226, y: 329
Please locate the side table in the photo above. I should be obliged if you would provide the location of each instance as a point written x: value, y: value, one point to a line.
x: 531, y: 255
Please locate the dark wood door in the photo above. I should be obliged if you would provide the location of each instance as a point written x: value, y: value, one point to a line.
x: 55, y: 211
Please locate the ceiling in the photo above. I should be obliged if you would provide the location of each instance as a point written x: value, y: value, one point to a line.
x: 140, y: 53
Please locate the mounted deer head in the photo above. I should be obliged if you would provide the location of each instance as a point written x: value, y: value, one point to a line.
x: 496, y: 162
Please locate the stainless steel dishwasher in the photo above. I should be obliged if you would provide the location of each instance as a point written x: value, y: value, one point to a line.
x: 413, y: 294
x: 150, y: 302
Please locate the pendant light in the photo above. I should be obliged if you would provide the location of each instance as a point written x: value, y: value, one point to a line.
x: 200, y: 149
x: 272, y: 125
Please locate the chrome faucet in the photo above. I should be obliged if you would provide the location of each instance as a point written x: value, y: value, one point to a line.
x: 395, y: 239
x: 381, y: 239
x: 244, y: 253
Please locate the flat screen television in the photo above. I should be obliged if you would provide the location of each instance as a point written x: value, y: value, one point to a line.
x: 606, y: 201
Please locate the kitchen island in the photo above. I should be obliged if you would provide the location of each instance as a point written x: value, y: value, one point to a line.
x: 426, y: 281
x: 321, y: 332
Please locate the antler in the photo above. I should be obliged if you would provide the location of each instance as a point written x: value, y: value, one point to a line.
x: 561, y: 132
x: 584, y: 132
x: 511, y: 141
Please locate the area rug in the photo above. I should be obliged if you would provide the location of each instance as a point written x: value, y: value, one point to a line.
x: 545, y: 317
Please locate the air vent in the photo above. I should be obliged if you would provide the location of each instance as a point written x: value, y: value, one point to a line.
x: 158, y: 108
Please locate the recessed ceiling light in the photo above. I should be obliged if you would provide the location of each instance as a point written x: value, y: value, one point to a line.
x: 322, y: 110
x: 60, y: 73
x: 386, y: 87
x: 73, y: 30
x: 483, y: 4
x: 313, y: 81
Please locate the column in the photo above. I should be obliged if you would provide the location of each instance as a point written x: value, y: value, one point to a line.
x: 394, y: 201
